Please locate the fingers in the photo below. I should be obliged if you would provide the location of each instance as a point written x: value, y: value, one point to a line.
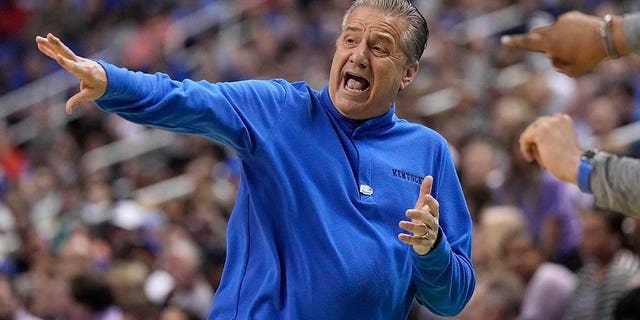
x: 425, y: 188
x: 45, y: 47
x: 421, y: 221
x: 533, y: 41
x: 60, y: 47
x: 421, y: 244
x: 52, y: 47
x: 424, y: 235
x: 527, y: 145
x: 424, y: 225
x: 71, y: 66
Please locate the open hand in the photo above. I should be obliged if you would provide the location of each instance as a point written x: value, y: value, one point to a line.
x: 93, y: 78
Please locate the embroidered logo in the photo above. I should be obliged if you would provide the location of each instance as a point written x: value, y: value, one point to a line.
x: 407, y: 176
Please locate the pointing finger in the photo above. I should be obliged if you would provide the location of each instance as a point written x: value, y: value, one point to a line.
x: 425, y: 188
x: 533, y: 41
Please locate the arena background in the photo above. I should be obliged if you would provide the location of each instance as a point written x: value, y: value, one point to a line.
x: 100, y: 214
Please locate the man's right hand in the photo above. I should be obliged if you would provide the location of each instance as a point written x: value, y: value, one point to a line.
x: 93, y: 78
x: 573, y: 43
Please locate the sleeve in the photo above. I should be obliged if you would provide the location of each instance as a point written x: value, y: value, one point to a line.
x: 614, y: 182
x: 240, y: 114
x: 444, y: 277
x: 631, y: 30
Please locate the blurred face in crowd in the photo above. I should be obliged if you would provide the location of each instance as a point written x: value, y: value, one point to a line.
x: 172, y: 313
x: 369, y: 67
x: 478, y: 160
x: 8, y: 303
x: 522, y: 257
x: 599, y: 241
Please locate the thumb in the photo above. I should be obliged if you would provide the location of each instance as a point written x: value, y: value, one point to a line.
x: 425, y: 188
x: 79, y: 98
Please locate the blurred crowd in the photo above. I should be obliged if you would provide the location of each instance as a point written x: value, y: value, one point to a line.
x: 76, y: 243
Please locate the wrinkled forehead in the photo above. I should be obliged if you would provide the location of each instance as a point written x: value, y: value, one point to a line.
x: 366, y: 17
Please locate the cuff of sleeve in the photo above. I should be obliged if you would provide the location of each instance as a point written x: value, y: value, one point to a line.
x: 598, y: 174
x: 106, y: 66
x: 117, y: 81
x: 437, y: 258
x: 631, y: 30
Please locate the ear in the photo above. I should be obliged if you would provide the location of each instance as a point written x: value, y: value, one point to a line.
x: 409, y: 75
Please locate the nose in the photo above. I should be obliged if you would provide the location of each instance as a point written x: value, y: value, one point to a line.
x: 360, y: 56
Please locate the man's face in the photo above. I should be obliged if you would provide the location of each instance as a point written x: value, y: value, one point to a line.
x: 599, y: 242
x: 369, y: 66
x: 522, y: 257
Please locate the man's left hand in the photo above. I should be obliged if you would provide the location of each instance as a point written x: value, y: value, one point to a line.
x: 424, y: 224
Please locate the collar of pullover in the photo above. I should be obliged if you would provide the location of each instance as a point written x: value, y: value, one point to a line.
x: 351, y: 125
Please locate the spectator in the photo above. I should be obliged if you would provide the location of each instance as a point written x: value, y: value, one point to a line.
x: 548, y: 285
x: 546, y: 203
x: 608, y: 267
x: 92, y: 299
x: 10, y: 305
x: 498, y: 297
x: 483, y: 87
x: 627, y: 306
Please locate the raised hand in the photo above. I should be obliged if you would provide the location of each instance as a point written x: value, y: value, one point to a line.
x: 552, y: 142
x: 424, y: 224
x: 93, y: 78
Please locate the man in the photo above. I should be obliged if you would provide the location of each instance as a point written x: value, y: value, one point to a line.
x: 575, y: 44
x: 10, y: 304
x: 548, y: 285
x: 327, y: 177
x: 608, y: 271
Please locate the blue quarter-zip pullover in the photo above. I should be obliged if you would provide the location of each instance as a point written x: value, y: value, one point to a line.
x: 313, y: 234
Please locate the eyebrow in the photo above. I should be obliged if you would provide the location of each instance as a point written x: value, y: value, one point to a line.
x: 352, y: 28
x: 386, y: 37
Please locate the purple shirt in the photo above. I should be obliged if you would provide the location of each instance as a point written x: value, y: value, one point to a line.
x: 552, y: 199
x: 548, y: 293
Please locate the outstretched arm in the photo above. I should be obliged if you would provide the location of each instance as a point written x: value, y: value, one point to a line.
x: 93, y: 79
x: 573, y: 43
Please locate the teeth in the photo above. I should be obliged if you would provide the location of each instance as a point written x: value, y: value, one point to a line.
x: 354, y: 84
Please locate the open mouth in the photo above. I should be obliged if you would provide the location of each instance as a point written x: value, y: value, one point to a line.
x: 355, y: 83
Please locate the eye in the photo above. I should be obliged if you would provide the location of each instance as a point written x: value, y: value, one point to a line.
x: 350, y: 41
x: 379, y: 50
